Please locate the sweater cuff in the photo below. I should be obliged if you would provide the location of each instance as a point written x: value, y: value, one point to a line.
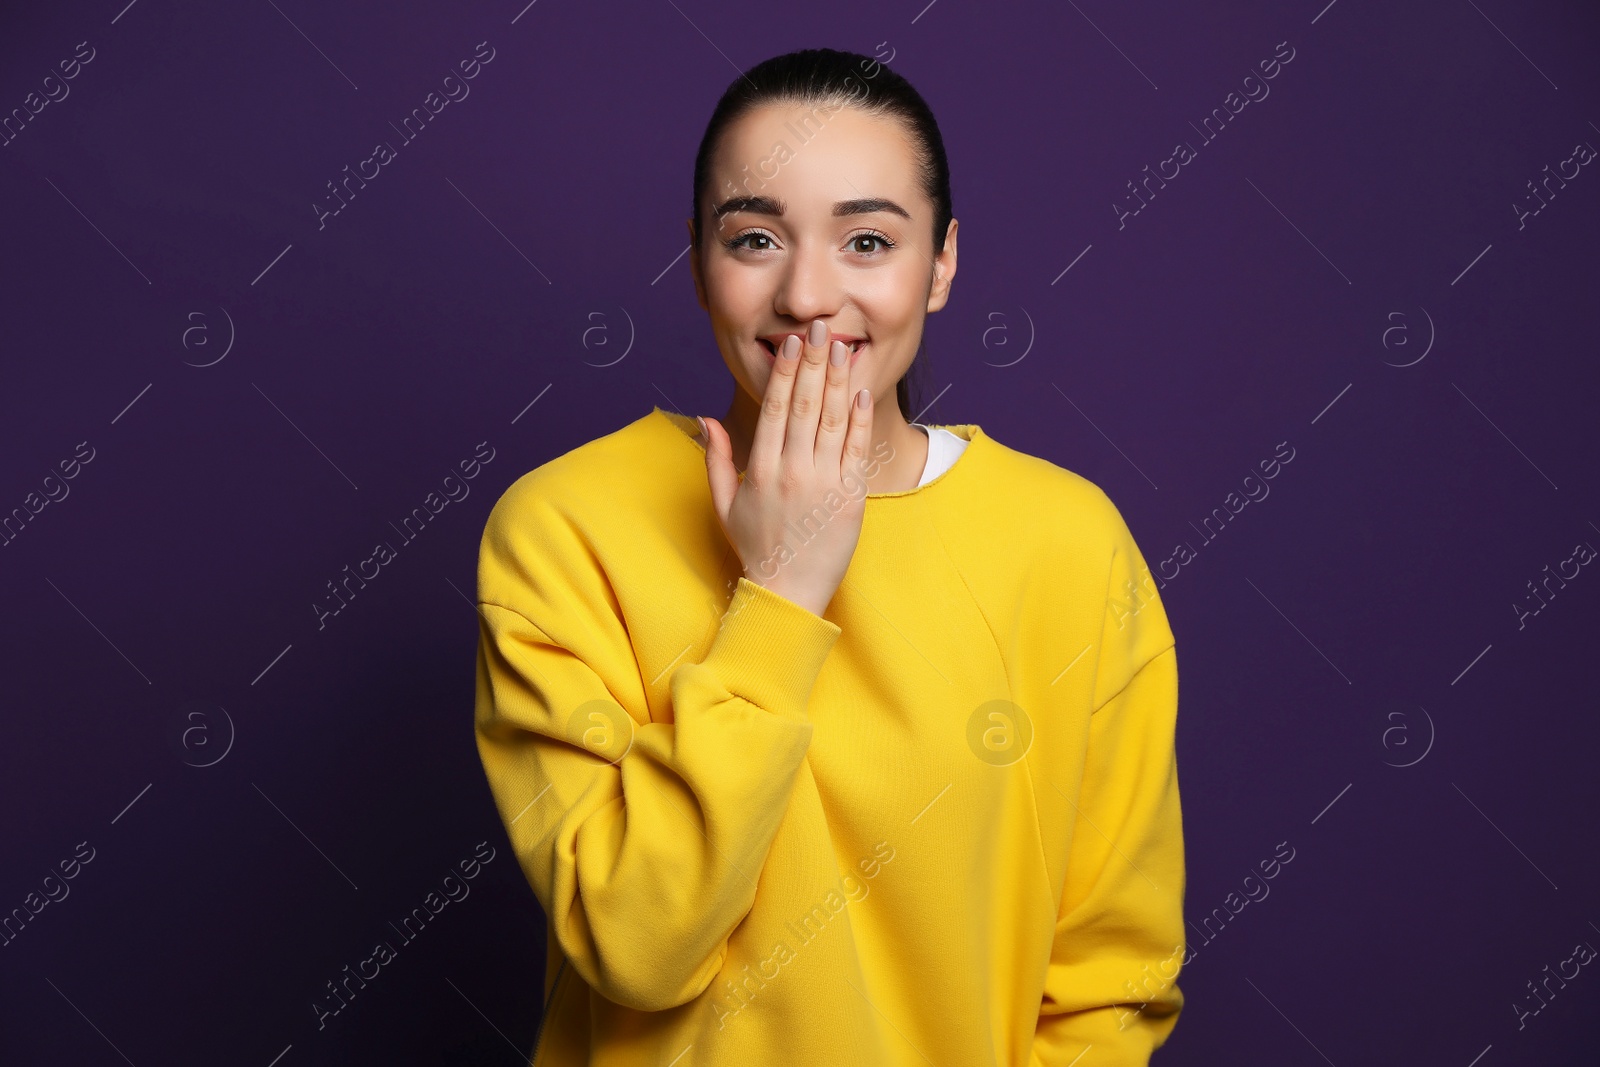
x: 769, y: 650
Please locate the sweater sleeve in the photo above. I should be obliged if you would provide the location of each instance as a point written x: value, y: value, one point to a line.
x: 1119, y: 942
x: 643, y: 840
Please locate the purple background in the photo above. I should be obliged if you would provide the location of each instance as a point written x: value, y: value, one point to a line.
x: 525, y: 250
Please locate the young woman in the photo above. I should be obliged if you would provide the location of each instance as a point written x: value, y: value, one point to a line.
x: 823, y: 736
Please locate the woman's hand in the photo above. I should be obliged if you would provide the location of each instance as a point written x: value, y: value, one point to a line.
x: 810, y: 446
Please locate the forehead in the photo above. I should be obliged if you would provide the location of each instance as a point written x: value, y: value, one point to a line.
x: 811, y: 158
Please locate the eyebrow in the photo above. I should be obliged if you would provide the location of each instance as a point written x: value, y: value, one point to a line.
x: 766, y: 205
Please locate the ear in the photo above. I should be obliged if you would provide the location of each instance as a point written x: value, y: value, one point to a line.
x: 944, y: 270
x: 694, y: 270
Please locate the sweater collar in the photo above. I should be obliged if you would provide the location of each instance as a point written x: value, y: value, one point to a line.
x: 684, y: 427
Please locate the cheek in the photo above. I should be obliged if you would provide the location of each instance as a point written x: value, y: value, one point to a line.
x: 894, y: 299
x: 894, y: 310
x: 739, y: 300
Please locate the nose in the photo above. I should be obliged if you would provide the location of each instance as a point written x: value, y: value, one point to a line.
x: 810, y: 286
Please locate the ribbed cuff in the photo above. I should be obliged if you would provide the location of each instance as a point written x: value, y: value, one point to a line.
x: 769, y: 650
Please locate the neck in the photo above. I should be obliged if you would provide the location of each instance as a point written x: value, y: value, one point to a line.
x: 907, y: 451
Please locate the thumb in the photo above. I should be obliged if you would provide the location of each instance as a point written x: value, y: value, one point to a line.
x: 720, y: 471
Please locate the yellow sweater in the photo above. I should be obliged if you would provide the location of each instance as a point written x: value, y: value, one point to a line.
x: 937, y: 825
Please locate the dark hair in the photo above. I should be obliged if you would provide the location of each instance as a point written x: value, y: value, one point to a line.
x: 826, y: 77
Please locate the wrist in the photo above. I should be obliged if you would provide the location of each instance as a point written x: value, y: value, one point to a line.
x: 794, y: 596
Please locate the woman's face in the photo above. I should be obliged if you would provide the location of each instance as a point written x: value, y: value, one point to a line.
x: 782, y: 256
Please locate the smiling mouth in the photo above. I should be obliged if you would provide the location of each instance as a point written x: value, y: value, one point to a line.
x: 855, y: 349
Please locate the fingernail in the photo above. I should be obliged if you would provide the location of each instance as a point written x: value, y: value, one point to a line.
x: 861, y: 398
x: 819, y: 333
x: 837, y: 354
x: 791, y: 346
x: 702, y: 423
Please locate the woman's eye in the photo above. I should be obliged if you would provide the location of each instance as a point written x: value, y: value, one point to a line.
x: 880, y: 238
x: 740, y: 241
